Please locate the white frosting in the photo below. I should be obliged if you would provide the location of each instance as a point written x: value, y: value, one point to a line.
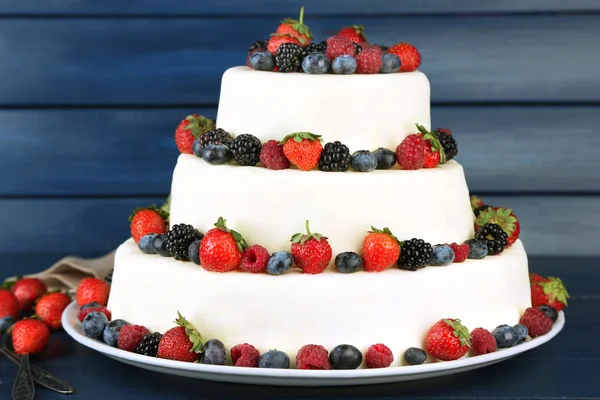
x: 267, y: 207
x: 362, y: 111
x: 285, y: 312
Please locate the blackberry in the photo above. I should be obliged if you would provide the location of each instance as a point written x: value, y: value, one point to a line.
x: 414, y: 254
x: 448, y: 143
x: 246, y: 149
x: 259, y: 44
x: 479, y: 209
x: 335, y: 157
x: 493, y: 236
x: 179, y: 239
x: 216, y: 136
x: 149, y: 344
x: 289, y: 57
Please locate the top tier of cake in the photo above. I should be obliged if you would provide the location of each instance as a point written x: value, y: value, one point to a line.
x: 362, y: 111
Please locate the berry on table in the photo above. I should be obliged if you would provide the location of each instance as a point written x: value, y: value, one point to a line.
x: 9, y: 305
x: 27, y: 291
x: 217, y: 154
x: 548, y: 291
x: 335, y: 157
x: 279, y: 39
x: 216, y: 136
x: 493, y: 236
x: 442, y: 255
x: 214, y: 352
x: 549, y: 311
x: 380, y: 250
x: 354, y: 33
x: 144, y: 221
x: 410, y: 154
x: 245, y: 355
x: 522, y: 333
x: 363, y: 161
x: 503, y: 217
x: 145, y: 244
x: 272, y: 156
x: 189, y: 129
x: 379, y: 356
x: 50, y: 307
x: 262, y: 61
x: 311, y: 251
x: 348, y: 262
x: 536, y: 321
x: 414, y: 254
x: 181, y: 343
x: 316, y: 63
x: 255, y: 259
x: 29, y: 336
x: 344, y: 65
x: 279, y: 262
x: 482, y: 341
x: 408, y: 54
x: 389, y: 63
x: 448, y: 340
x: 246, y: 149
x: 386, y: 158
x: 448, y: 143
x: 274, y: 359
x: 149, y: 344
x: 92, y: 289
x: 85, y: 311
x: 194, y: 251
x: 296, y: 28
x: 415, y: 356
x: 345, y: 356
x: 159, y: 244
x: 477, y: 249
x: 505, y: 336
x: 93, y: 324
x: 461, y: 251
x: 368, y: 61
x: 313, y: 356
x: 303, y: 149
x: 111, y: 332
x: 339, y: 47
x: 288, y: 57
x: 221, y: 248
x: 179, y: 238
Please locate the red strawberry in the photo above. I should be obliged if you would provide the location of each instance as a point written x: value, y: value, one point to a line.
x: 279, y: 39
x: 190, y: 129
x: 295, y: 28
x: 354, y: 33
x: 461, y: 251
x: 410, y: 154
x: 221, y: 248
x: 182, y: 343
x: 549, y: 291
x: 380, y: 250
x: 434, y: 151
x: 311, y: 251
x: 50, y: 308
x: 339, y: 46
x: 27, y: 291
x: 145, y: 221
x: 9, y: 305
x: 30, y: 336
x: 303, y: 149
x: 432, y: 157
x: 82, y: 313
x: 501, y: 216
x: 448, y: 340
x: 368, y: 62
x: 409, y: 56
x: 92, y: 290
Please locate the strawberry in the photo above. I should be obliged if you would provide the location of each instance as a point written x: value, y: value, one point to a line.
x: 432, y: 157
x: 182, y: 343
x: 339, y: 46
x: 434, y: 151
x: 354, y: 33
x: 9, y: 305
x: 311, y: 251
x: 410, y: 154
x: 279, y: 39
x: 189, y: 129
x: 408, y: 54
x: 50, y: 308
x: 149, y: 220
x: 380, y: 250
x: 503, y: 217
x: 303, y: 149
x: 27, y: 291
x: 30, y: 336
x: 92, y: 290
x: 448, y: 340
x: 295, y: 28
x: 549, y: 291
x: 368, y: 62
x: 221, y: 248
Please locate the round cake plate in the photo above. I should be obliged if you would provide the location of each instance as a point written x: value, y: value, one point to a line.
x: 296, y: 377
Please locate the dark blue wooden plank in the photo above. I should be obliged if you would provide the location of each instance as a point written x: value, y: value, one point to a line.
x: 282, y: 8
x: 98, y: 152
x: 167, y: 61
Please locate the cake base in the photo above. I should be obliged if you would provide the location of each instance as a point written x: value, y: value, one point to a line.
x: 394, y: 307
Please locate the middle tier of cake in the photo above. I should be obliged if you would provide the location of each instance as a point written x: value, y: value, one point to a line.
x: 267, y: 207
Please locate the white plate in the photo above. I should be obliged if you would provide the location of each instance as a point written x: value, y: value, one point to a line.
x: 296, y: 377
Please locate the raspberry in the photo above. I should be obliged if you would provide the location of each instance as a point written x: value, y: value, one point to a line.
x: 130, y: 336
x: 88, y: 310
x: 254, y: 259
x: 369, y: 62
x: 339, y: 46
x: 410, y: 154
x: 379, y: 356
x: 536, y: 322
x: 272, y: 157
x: 482, y: 341
x: 461, y: 251
x: 245, y: 355
x: 313, y: 356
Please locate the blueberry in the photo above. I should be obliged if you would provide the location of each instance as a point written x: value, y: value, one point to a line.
x: 6, y: 322
x: 344, y: 65
x: 274, y: 359
x: 93, y: 324
x: 522, y: 333
x: 145, y: 244
x: 160, y: 246
x: 345, y: 356
x: 111, y: 332
x: 197, y: 147
x: 477, y: 249
x: 88, y: 305
x: 415, y: 356
x: 391, y: 63
x: 442, y: 255
x: 262, y: 61
x: 505, y: 336
x: 363, y: 161
x: 348, y: 262
x: 217, y: 154
x: 316, y: 63
x: 386, y: 158
x: 549, y: 311
x: 214, y: 352
x: 194, y: 251
x: 279, y: 262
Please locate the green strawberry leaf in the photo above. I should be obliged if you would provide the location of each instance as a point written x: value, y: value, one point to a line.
x: 301, y: 238
x: 555, y: 289
x: 300, y: 136
x: 192, y: 333
x: 460, y: 331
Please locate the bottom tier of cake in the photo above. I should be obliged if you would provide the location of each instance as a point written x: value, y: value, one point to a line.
x: 393, y: 307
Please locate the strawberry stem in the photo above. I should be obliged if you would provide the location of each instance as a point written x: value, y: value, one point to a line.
x: 301, y: 18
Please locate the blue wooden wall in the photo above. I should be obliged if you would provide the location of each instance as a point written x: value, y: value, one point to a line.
x: 90, y: 93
